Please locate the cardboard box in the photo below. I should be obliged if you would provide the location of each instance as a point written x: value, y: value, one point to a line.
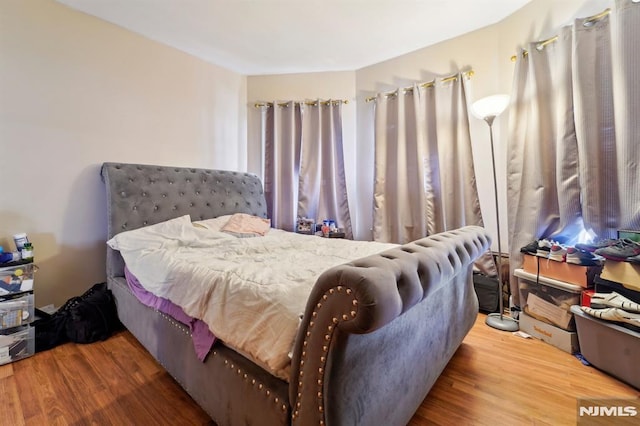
x: 561, y: 339
x: 609, y: 346
x: 624, y: 273
x: 540, y: 308
x: 547, y: 299
x: 561, y: 271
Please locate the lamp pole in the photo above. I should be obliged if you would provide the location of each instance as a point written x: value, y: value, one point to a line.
x: 498, y: 321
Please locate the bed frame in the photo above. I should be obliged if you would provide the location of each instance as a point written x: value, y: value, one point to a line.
x: 375, y: 336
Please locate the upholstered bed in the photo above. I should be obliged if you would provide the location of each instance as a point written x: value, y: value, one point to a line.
x: 375, y: 335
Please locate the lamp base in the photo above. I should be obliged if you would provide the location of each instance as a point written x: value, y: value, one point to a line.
x: 503, y: 322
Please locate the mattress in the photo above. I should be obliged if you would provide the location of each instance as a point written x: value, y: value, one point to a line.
x: 251, y: 292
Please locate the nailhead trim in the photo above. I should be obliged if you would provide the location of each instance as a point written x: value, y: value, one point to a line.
x: 239, y: 371
x: 325, y: 348
x: 261, y: 387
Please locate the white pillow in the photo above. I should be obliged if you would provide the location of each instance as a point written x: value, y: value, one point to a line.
x: 153, y: 236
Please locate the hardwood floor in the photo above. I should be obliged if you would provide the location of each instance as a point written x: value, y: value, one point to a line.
x: 495, y: 378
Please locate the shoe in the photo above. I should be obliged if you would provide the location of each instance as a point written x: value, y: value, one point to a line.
x: 530, y: 248
x: 591, y: 247
x: 614, y: 300
x: 634, y: 259
x: 613, y: 314
x: 620, y: 251
x: 544, y: 248
x: 557, y: 253
x: 583, y: 257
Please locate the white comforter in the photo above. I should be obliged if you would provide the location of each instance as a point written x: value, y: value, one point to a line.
x: 250, y: 291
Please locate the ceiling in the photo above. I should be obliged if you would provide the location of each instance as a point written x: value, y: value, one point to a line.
x: 255, y: 37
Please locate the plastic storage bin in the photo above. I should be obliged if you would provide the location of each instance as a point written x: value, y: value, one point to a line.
x: 548, y: 300
x: 608, y: 346
x: 14, y: 279
x: 16, y: 344
x: 16, y: 309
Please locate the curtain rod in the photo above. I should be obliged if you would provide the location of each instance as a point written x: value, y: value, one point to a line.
x: 431, y: 83
x: 587, y: 23
x: 310, y: 103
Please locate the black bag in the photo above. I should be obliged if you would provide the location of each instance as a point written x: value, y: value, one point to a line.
x: 487, y: 289
x: 92, y: 316
x: 83, y: 319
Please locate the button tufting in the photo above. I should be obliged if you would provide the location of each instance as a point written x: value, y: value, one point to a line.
x: 144, y: 194
x: 144, y: 223
x: 155, y: 207
x: 175, y: 207
x: 191, y: 204
x: 135, y: 207
x: 124, y: 194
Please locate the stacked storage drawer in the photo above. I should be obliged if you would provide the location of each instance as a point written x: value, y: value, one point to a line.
x: 546, y: 305
x: 17, y: 337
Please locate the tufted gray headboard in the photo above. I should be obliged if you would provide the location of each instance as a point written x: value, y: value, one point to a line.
x: 139, y: 195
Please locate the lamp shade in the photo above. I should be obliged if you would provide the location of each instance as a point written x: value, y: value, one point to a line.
x: 491, y: 106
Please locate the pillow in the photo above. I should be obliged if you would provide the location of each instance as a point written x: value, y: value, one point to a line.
x: 245, y: 225
x: 153, y: 236
x: 213, y: 224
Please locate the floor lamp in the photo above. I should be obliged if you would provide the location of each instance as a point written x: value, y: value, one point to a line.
x: 488, y: 109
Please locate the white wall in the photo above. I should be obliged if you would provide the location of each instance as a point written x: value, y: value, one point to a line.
x: 75, y: 92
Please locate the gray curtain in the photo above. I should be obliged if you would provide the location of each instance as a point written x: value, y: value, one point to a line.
x: 304, y: 164
x: 323, y: 191
x: 424, y: 175
x: 573, y: 155
x: 282, y: 135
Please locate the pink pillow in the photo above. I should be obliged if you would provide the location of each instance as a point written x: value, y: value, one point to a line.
x: 246, y: 225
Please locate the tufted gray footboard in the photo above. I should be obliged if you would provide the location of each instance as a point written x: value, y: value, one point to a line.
x: 378, y: 331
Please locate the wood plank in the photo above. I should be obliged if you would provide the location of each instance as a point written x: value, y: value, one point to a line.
x: 495, y: 378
